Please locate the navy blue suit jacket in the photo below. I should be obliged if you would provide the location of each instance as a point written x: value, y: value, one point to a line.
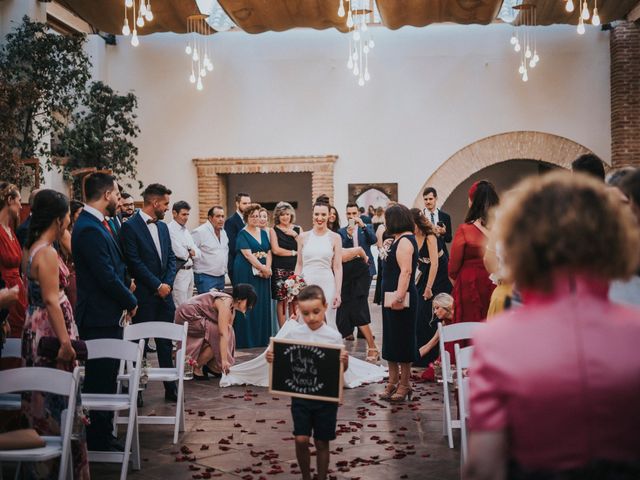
x: 100, y: 275
x: 148, y: 269
x: 366, y: 238
x: 232, y: 226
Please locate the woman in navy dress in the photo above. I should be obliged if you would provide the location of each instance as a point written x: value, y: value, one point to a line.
x: 252, y: 265
x: 399, y: 345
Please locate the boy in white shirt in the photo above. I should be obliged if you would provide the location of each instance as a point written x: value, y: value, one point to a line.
x: 314, y: 415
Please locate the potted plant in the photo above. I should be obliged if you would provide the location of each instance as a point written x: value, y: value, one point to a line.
x: 100, y: 135
x: 48, y: 73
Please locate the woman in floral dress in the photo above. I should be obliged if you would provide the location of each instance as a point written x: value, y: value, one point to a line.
x: 50, y: 315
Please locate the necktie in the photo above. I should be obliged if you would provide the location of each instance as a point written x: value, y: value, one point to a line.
x: 433, y: 218
x: 156, y: 221
x: 106, y: 225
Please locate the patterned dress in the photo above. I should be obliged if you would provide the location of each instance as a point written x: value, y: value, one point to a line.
x: 43, y: 410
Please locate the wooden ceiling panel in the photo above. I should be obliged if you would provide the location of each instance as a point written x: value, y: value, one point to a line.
x: 257, y: 16
x: 549, y: 12
x: 419, y: 13
x: 108, y: 15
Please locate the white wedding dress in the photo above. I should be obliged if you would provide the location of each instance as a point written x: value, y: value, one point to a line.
x: 317, y: 260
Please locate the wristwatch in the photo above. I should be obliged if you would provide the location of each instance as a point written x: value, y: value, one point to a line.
x: 293, y: 253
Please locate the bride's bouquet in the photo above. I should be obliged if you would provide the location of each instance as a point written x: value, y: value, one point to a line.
x: 291, y: 287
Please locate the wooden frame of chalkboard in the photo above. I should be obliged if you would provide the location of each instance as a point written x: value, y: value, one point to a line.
x: 313, y: 383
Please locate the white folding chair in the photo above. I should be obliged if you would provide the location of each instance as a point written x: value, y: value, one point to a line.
x: 11, y: 349
x: 173, y: 332
x: 463, y: 361
x: 49, y: 380
x: 451, y: 333
x: 116, y: 402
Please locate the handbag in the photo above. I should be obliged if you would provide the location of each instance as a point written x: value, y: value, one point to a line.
x: 48, y: 348
x: 390, y: 297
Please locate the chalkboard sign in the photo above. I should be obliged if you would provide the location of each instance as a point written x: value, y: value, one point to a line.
x: 306, y: 370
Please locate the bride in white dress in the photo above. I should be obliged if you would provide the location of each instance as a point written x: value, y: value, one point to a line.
x: 320, y: 263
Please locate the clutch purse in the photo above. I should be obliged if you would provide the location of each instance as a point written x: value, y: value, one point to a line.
x: 48, y: 348
x: 389, y: 298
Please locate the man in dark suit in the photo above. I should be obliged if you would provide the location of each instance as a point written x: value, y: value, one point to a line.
x: 103, y: 294
x: 233, y: 225
x: 152, y: 264
x: 351, y: 313
x: 440, y: 220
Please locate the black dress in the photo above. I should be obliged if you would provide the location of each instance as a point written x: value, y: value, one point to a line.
x: 399, y: 326
x: 427, y: 321
x: 284, y: 266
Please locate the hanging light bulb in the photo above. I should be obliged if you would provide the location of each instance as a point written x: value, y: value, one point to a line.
x: 514, y: 39
x: 203, y: 72
x: 532, y: 63
x: 585, y: 11
x: 210, y: 66
x: 528, y: 52
x: 365, y: 49
x: 128, y: 3
x: 367, y: 77
x: 188, y: 50
x: 355, y: 55
x: 140, y: 21
x: 199, y: 85
x: 361, y: 82
x: 525, y: 76
x: 143, y: 8
x: 581, y: 29
x: 535, y: 58
x: 521, y: 69
x: 356, y: 70
x: 341, y: 11
x: 372, y: 44
x: 349, y: 19
x: 595, y: 20
x: 569, y: 7
x: 195, y: 56
x: 192, y: 77
x: 149, y: 15
x: 126, y: 31
x: 134, y: 39
x: 517, y: 47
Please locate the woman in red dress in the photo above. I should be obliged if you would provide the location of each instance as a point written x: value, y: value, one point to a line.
x: 472, y: 287
x: 11, y: 254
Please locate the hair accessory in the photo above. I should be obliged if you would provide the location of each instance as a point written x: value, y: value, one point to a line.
x: 472, y: 190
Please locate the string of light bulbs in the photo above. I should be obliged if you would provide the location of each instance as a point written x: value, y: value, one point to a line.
x: 144, y: 13
x: 360, y: 40
x: 524, y: 40
x: 583, y: 13
x: 198, y: 49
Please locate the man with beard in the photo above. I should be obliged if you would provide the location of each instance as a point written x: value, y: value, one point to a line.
x: 152, y: 264
x: 233, y: 225
x: 127, y: 207
x: 103, y: 294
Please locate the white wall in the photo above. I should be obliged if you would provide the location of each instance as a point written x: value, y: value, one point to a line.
x: 433, y: 91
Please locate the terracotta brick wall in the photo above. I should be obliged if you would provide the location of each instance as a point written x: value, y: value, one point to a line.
x: 625, y: 94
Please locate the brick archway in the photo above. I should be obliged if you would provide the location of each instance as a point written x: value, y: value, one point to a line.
x: 541, y: 146
x: 212, y: 181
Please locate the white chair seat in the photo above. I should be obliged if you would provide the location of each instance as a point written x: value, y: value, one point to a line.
x: 105, y: 401
x: 52, y: 449
x: 10, y: 401
x: 163, y: 374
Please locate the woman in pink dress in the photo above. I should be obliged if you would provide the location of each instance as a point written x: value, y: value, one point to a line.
x: 11, y: 255
x: 555, y: 384
x: 210, y: 338
x: 50, y: 315
x: 471, y: 285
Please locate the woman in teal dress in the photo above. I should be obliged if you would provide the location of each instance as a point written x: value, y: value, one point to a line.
x: 252, y: 265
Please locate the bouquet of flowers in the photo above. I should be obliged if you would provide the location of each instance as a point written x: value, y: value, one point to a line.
x: 291, y: 287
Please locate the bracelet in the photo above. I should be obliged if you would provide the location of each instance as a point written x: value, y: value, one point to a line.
x: 293, y: 253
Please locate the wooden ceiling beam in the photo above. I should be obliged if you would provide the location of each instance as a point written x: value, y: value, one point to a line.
x: 634, y: 13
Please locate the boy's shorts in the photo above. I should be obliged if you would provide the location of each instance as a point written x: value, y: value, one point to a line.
x: 314, y: 416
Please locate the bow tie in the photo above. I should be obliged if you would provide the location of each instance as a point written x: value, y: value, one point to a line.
x: 151, y: 221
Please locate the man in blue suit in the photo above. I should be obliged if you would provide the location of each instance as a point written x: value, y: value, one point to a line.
x: 358, y: 234
x: 233, y: 225
x: 152, y: 264
x: 103, y: 294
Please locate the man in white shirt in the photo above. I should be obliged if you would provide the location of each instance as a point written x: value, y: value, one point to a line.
x: 185, y: 251
x: 210, y: 266
x: 441, y: 220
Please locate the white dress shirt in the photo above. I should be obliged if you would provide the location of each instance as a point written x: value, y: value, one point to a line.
x: 96, y: 213
x: 153, y: 230
x: 436, y: 217
x: 324, y: 334
x: 214, y: 251
x: 181, y: 242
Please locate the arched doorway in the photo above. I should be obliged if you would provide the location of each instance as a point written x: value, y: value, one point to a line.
x: 504, y: 159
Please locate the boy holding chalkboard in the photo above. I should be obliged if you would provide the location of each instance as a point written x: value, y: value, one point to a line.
x: 314, y: 416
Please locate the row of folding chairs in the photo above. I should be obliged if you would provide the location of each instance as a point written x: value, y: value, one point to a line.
x: 457, y: 332
x: 129, y: 352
